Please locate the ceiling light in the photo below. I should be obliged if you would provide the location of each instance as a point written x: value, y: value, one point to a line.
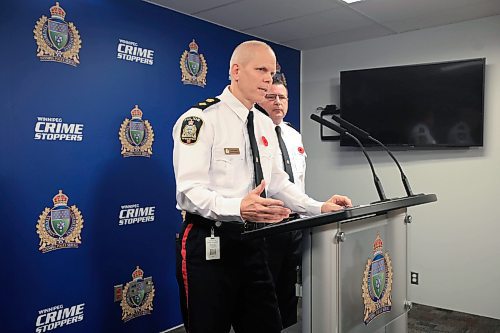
x: 351, y: 1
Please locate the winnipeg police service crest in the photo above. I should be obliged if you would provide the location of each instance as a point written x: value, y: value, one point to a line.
x: 377, y: 283
x: 136, y: 135
x: 59, y: 227
x: 57, y: 40
x: 193, y: 66
x: 190, y: 130
x: 136, y: 298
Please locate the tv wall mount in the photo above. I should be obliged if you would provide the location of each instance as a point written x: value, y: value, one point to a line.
x: 327, y: 111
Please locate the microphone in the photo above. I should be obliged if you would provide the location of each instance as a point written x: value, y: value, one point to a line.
x: 338, y: 129
x: 365, y: 135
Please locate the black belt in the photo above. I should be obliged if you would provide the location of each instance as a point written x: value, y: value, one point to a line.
x: 232, y: 225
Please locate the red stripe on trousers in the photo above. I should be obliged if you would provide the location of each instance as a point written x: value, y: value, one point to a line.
x: 184, y: 264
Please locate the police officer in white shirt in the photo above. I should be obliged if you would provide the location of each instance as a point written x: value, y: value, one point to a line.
x: 284, y: 250
x: 226, y: 163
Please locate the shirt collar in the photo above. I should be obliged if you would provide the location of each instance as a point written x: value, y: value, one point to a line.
x: 234, y: 104
x: 282, y: 126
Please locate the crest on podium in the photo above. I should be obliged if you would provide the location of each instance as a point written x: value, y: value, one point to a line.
x: 377, y: 282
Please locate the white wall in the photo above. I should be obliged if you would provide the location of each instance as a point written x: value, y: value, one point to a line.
x: 455, y: 243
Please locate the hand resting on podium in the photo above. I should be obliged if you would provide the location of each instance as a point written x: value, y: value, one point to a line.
x: 336, y: 203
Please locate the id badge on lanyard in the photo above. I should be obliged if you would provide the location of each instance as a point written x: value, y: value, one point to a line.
x: 212, y: 246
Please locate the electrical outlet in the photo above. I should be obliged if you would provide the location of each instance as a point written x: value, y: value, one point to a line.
x: 413, y: 277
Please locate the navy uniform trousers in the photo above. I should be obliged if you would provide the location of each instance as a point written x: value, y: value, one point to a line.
x: 285, y: 257
x: 236, y: 290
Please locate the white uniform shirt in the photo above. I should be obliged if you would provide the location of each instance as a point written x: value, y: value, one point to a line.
x: 296, y: 152
x: 216, y: 172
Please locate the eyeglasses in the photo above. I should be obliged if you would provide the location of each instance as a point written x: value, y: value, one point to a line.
x: 272, y: 97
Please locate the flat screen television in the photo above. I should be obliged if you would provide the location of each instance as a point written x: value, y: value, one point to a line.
x: 420, y: 106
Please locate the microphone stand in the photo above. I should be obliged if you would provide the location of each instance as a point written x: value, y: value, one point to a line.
x: 338, y: 129
x: 366, y: 135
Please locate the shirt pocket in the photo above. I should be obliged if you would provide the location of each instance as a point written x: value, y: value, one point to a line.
x: 299, y: 162
x: 225, y: 168
x: 266, y: 161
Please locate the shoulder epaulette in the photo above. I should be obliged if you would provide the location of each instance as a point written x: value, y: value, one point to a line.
x: 206, y: 103
x: 261, y: 109
x: 287, y: 123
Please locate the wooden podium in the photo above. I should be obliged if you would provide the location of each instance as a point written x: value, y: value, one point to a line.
x: 354, y: 266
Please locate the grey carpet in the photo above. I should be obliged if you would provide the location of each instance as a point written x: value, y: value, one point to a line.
x: 427, y: 319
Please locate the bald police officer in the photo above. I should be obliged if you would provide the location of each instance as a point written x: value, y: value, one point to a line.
x: 225, y: 163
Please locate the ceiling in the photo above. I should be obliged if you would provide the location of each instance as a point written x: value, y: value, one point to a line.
x: 309, y: 24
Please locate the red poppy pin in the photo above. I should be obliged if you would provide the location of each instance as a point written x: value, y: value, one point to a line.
x: 264, y: 141
x: 301, y: 150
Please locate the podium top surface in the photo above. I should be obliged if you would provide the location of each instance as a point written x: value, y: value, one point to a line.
x: 345, y: 215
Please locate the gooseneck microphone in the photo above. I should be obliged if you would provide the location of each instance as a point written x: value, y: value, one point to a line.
x: 338, y: 129
x: 365, y: 135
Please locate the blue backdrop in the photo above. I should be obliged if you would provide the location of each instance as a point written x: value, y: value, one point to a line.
x: 94, y: 98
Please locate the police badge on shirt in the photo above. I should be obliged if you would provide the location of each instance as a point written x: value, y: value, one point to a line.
x: 190, y: 129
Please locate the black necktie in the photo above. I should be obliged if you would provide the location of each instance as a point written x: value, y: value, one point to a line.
x: 284, y: 152
x: 259, y: 176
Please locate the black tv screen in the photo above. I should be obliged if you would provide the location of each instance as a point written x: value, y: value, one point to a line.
x: 424, y: 105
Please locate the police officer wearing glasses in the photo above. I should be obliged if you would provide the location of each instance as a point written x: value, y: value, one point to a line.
x: 285, y: 249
